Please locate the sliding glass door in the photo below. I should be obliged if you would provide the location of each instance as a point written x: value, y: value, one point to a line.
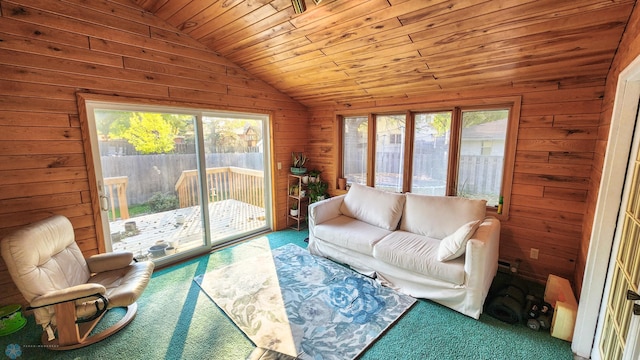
x: 235, y: 173
x: 173, y: 182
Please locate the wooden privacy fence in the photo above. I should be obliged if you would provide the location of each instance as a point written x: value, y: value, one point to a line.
x: 116, y: 188
x: 223, y: 183
x: 480, y: 174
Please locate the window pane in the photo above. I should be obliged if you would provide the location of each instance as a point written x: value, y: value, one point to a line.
x: 144, y: 157
x: 355, y: 149
x: 389, y: 152
x: 235, y: 174
x: 430, y: 153
x: 482, y: 149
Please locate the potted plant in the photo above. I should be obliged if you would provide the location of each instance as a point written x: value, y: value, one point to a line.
x: 297, y: 163
x: 318, y: 191
x: 314, y: 175
x: 293, y: 190
x: 294, y: 209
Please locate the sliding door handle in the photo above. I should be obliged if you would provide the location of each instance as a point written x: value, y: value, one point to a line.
x: 104, y: 203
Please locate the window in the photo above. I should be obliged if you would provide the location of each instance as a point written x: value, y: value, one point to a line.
x: 430, y: 153
x: 355, y: 144
x: 480, y: 171
x: 389, y: 162
x: 396, y: 138
x: 465, y: 151
x: 169, y: 176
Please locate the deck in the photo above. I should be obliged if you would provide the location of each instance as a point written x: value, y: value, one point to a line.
x: 227, y: 218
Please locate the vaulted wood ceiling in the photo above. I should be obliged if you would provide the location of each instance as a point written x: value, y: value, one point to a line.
x: 343, y: 51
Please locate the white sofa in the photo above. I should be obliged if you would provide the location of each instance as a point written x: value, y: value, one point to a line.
x: 440, y: 248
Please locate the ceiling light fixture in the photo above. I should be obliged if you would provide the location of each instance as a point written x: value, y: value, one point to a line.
x: 299, y: 6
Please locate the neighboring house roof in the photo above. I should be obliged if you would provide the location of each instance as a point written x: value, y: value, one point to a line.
x: 486, y: 131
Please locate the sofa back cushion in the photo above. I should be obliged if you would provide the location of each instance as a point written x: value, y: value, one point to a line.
x: 439, y: 216
x: 375, y: 207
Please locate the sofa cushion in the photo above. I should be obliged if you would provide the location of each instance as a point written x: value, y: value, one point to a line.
x: 418, y: 254
x: 350, y: 233
x: 439, y: 216
x: 455, y: 244
x: 373, y: 206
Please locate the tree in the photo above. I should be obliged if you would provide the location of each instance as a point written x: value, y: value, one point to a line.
x: 442, y: 121
x: 223, y: 134
x: 159, y: 129
x: 111, y: 124
x: 150, y: 133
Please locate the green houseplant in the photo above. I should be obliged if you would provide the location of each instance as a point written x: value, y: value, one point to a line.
x: 314, y: 175
x: 297, y: 163
x: 318, y: 191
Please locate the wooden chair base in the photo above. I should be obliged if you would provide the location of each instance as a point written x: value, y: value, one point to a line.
x: 73, y: 336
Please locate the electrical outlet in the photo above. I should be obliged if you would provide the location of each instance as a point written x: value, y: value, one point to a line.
x: 279, y: 165
x: 534, y: 253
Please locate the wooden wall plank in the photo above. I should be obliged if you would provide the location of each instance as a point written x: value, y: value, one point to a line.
x: 75, y: 12
x: 32, y: 45
x: 628, y: 50
x: 32, y: 118
x: 54, y: 49
x: 18, y: 162
x: 38, y: 31
x: 552, y: 172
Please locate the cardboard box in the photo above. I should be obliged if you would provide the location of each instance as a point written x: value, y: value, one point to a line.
x: 559, y: 294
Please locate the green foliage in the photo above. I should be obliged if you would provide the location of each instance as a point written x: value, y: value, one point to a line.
x: 317, y: 190
x: 472, y: 118
x: 315, y: 173
x: 134, y: 210
x: 111, y: 124
x: 298, y: 160
x: 223, y: 134
x: 442, y: 121
x: 160, y: 202
x: 149, y: 133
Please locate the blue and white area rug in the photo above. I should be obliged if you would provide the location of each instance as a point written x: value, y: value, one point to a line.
x: 303, y: 305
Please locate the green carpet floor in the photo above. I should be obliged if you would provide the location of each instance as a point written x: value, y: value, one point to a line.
x: 176, y: 320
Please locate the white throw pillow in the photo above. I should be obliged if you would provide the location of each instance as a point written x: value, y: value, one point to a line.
x: 454, y: 245
x: 439, y: 216
x: 374, y: 206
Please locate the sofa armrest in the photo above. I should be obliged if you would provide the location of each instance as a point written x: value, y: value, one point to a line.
x: 68, y: 294
x: 324, y: 210
x: 109, y: 261
x: 481, y: 256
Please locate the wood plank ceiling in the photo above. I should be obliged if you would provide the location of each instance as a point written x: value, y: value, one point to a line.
x: 343, y: 51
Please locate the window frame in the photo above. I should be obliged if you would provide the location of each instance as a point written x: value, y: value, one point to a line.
x: 512, y: 103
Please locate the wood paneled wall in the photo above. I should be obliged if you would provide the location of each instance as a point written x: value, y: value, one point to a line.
x: 554, y: 154
x: 50, y: 50
x: 628, y: 50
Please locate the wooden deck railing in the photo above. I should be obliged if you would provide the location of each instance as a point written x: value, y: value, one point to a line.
x: 223, y: 183
x: 117, y: 187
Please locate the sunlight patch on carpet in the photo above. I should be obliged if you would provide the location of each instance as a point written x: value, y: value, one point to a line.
x: 302, y: 305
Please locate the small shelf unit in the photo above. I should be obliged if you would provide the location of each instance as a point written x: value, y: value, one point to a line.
x: 296, y: 194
